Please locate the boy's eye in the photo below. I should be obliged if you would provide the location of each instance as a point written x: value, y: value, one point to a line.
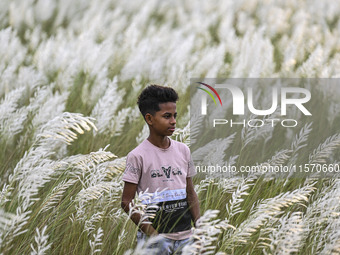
x: 167, y: 116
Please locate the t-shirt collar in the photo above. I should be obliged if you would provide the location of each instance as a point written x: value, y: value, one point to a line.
x: 161, y: 149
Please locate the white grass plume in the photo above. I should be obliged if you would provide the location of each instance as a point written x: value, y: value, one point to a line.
x: 288, y: 237
x: 9, y: 105
x: 252, y: 134
x: 266, y: 213
x: 255, y: 47
x: 213, y: 151
x: 182, y: 134
x: 98, y: 187
x: 325, y: 150
x: 205, y: 183
x: 105, y: 109
x: 229, y: 185
x: 55, y: 196
x: 89, y: 225
x: 12, y: 52
x: 115, y: 168
x: 96, y: 243
x: 143, y: 134
x: 32, y: 172
x: 145, y: 204
x: 35, y: 169
x: 116, y: 125
x: 280, y: 157
x: 322, y: 215
x: 65, y: 128
x: 15, y: 226
x: 6, y: 219
x: 196, y: 118
x: 52, y: 106
x: 300, y: 141
x: 206, y: 233
x: 233, y: 207
x: 5, y: 194
x: 42, y: 245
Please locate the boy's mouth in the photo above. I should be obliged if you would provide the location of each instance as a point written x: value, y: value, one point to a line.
x: 172, y: 129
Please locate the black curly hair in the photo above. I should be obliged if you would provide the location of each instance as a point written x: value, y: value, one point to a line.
x: 150, y: 98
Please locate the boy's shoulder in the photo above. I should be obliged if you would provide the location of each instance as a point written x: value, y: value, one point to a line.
x: 179, y: 144
x: 139, y: 149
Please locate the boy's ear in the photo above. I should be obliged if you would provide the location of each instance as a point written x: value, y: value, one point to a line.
x: 148, y: 118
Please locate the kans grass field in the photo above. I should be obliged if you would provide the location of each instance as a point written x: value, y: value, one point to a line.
x: 70, y: 73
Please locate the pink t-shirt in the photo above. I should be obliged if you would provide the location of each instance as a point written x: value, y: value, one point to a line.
x: 162, y: 174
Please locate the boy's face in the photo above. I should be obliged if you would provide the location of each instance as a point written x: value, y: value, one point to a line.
x: 163, y: 122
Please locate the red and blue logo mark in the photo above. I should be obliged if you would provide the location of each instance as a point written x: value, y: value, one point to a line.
x: 209, y: 93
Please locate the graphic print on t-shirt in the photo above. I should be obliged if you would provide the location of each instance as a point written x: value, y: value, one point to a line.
x: 172, y: 216
x: 166, y: 171
x: 172, y: 213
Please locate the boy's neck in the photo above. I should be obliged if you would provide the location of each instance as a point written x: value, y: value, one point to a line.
x: 161, y: 142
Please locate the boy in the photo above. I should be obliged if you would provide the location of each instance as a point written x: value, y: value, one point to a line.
x: 164, y: 167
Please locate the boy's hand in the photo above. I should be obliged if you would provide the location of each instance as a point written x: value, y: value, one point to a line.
x: 154, y: 233
x: 128, y: 195
x: 148, y: 229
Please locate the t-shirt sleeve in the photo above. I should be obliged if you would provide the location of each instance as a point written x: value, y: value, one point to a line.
x: 133, y: 169
x: 191, y: 167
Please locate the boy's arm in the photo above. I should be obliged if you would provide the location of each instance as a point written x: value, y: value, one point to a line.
x: 192, y: 200
x: 128, y: 195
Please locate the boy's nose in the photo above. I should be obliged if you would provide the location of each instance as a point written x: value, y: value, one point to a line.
x: 173, y: 120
